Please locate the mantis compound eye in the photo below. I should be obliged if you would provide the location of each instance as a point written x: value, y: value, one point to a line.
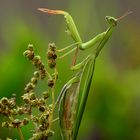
x: 111, y: 20
x: 106, y: 18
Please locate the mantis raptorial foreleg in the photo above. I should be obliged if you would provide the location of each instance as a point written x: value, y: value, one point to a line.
x: 72, y: 29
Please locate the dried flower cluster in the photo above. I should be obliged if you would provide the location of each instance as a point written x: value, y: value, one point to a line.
x: 42, y: 118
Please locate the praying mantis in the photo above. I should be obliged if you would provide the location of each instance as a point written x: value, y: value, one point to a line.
x: 73, y: 96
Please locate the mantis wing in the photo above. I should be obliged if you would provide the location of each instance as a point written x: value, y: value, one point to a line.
x: 73, y: 101
x: 68, y: 108
x: 84, y: 88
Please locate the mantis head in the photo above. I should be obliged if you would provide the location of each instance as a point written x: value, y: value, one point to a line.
x: 111, y: 20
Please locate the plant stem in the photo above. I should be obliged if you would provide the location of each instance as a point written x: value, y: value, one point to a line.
x: 53, y: 99
x: 20, y: 133
x: 55, y: 119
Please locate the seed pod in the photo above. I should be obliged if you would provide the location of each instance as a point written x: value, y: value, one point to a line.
x: 5, y: 101
x: 36, y: 58
x: 30, y: 47
x: 41, y: 101
x: 1, y: 107
x: 43, y: 74
x: 51, y: 55
x: 35, y: 119
x: 51, y: 83
x: 26, y: 100
x: 41, y: 128
x: 46, y: 94
x: 41, y: 66
x: 51, y: 63
x: 37, y: 61
x: 34, y: 80
x: 32, y: 96
x: 34, y: 103
x: 25, y: 121
x: 12, y: 103
x: 36, y: 74
x: 46, y: 125
x: 42, y: 108
x: 36, y: 136
x: 29, y: 87
x: 29, y: 54
x: 43, y: 119
x: 14, y: 112
x: 20, y: 110
x: 16, y: 123
x: 52, y: 47
x: 26, y: 53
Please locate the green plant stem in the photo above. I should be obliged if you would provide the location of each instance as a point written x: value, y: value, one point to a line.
x: 20, y: 133
x: 53, y: 99
x: 55, y: 119
x: 49, y: 76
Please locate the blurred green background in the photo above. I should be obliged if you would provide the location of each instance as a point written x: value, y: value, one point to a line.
x: 113, y: 107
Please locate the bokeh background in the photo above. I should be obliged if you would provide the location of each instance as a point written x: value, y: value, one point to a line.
x: 113, y: 107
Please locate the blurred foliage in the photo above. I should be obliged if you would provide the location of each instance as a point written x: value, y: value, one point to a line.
x: 113, y: 108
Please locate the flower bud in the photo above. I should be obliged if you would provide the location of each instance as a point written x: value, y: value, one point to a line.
x: 51, y: 47
x: 50, y: 83
x: 51, y: 63
x: 5, y: 101
x: 25, y: 121
x: 36, y: 74
x: 30, y: 47
x: 42, y: 108
x: 34, y: 80
x: 46, y: 94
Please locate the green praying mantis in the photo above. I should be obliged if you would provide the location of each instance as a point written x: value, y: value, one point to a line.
x: 73, y: 96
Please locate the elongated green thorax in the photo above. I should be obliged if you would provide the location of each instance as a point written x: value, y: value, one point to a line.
x: 92, y: 42
x: 113, y: 23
